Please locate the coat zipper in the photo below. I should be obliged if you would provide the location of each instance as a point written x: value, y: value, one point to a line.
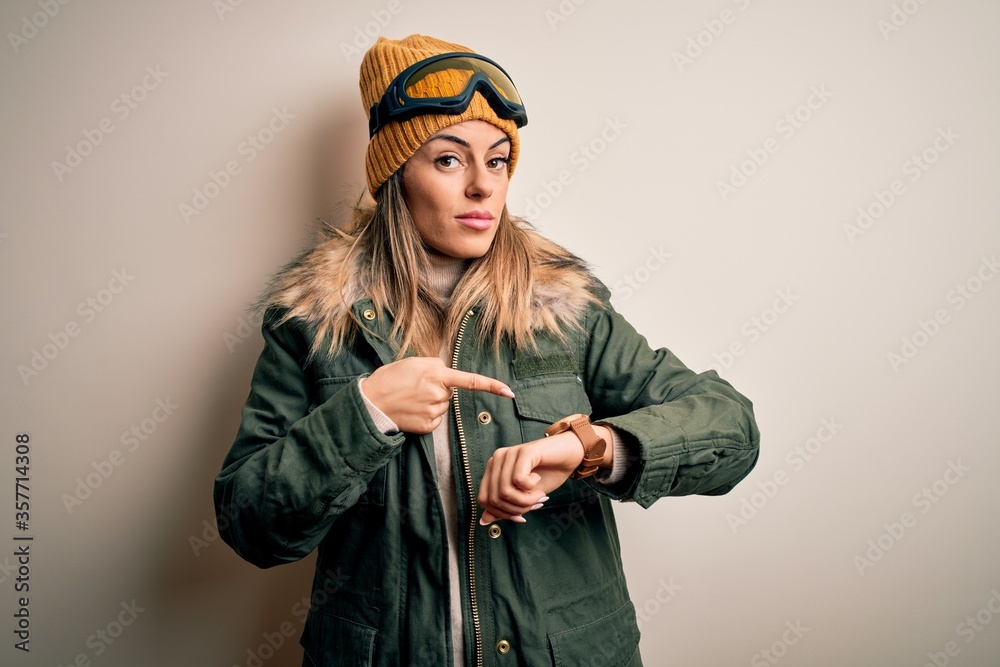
x: 477, y: 632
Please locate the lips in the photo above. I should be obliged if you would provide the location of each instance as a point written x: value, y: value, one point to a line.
x: 478, y: 220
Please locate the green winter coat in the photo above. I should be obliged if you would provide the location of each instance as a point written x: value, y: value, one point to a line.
x: 309, y: 469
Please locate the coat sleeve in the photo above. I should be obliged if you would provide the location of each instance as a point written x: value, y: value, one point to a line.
x: 689, y: 433
x: 291, y: 472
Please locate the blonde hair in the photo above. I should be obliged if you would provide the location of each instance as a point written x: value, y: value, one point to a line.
x: 384, y: 243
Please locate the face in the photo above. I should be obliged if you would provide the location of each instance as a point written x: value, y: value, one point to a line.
x: 455, y: 186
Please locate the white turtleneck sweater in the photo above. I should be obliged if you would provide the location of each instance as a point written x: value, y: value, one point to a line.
x: 445, y: 272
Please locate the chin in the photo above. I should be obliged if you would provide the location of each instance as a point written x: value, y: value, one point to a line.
x: 472, y: 249
x: 467, y: 252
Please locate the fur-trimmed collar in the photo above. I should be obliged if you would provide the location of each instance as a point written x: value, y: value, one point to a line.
x: 562, y: 284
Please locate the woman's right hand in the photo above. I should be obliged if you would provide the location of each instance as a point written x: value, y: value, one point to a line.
x: 415, y: 392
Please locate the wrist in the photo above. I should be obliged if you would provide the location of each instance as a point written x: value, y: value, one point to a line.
x: 382, y: 421
x: 567, y: 446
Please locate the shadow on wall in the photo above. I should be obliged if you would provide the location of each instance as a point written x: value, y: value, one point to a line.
x: 260, y: 613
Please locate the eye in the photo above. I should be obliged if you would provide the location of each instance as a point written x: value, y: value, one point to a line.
x: 498, y: 163
x: 447, y: 161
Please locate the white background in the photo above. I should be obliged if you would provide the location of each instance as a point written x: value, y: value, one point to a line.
x: 713, y: 587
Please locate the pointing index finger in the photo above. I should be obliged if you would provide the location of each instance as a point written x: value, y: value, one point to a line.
x: 476, y: 382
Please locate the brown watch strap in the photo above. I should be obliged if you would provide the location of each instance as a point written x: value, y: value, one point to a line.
x: 594, y: 445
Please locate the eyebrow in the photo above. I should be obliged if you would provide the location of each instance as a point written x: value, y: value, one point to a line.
x: 463, y: 142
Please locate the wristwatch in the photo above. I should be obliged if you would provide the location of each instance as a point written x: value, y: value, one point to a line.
x: 593, y: 444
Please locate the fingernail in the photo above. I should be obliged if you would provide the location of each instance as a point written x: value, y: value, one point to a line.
x: 507, y: 392
x: 519, y: 519
x: 537, y: 506
x: 543, y: 499
x: 483, y: 521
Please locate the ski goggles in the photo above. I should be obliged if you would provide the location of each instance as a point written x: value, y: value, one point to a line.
x: 414, y: 91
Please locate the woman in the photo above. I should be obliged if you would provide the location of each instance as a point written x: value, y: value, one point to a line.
x: 412, y: 367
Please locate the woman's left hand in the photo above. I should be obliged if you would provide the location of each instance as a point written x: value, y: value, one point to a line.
x: 519, y: 478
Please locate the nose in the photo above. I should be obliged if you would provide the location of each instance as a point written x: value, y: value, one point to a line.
x: 480, y: 185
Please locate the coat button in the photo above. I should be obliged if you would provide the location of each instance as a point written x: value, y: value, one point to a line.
x: 495, y: 531
x: 485, y: 417
x: 503, y: 646
x: 369, y: 314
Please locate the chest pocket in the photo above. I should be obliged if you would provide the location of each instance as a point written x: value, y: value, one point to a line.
x: 327, y: 387
x: 543, y: 399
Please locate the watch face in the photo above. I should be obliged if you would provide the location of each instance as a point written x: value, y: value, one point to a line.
x: 558, y: 427
x: 562, y: 425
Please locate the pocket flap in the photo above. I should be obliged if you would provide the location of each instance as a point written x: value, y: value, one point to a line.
x: 331, y: 641
x: 611, y: 641
x: 551, y: 398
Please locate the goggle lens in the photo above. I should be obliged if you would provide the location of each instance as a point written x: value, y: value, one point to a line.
x: 426, y: 83
x: 446, y: 84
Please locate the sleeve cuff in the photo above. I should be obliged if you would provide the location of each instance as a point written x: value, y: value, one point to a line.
x: 620, y: 462
x: 382, y: 421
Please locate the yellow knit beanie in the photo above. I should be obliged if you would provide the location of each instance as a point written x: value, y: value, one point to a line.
x: 398, y: 140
